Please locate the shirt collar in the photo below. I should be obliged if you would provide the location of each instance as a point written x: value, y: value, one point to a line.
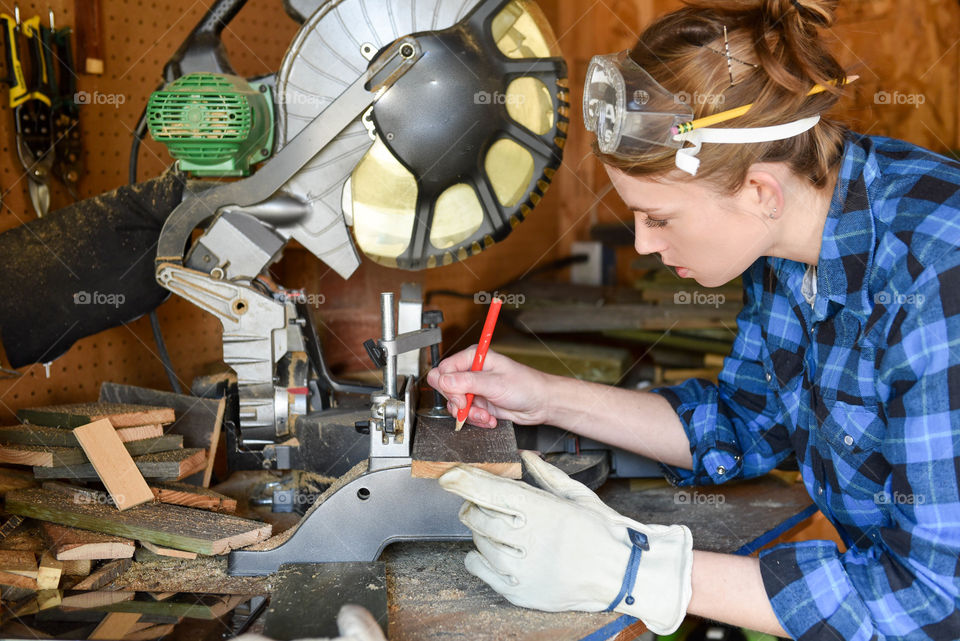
x: 847, y: 248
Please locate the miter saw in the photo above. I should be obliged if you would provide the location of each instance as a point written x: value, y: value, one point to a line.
x: 431, y: 129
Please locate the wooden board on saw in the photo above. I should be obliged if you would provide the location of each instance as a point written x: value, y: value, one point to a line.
x: 172, y: 526
x: 166, y: 466
x: 67, y: 543
x: 198, y: 419
x: 40, y: 435
x: 77, y: 414
x: 437, y: 448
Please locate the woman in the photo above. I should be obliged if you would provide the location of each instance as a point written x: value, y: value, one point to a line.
x: 848, y: 350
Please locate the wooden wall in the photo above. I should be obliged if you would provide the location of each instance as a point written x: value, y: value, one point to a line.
x: 895, y: 46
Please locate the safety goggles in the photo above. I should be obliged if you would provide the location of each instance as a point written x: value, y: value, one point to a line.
x: 632, y: 114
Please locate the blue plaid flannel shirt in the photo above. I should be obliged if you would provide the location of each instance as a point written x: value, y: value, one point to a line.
x: 864, y: 387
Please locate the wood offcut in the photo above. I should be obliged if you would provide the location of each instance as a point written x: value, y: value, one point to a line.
x: 40, y: 435
x: 198, y: 419
x: 113, y: 464
x: 67, y: 544
x: 41, y: 456
x: 172, y: 526
x: 77, y: 414
x: 163, y: 466
x: 192, y: 496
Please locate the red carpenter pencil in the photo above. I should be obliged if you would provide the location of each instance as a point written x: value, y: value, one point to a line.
x: 481, y: 354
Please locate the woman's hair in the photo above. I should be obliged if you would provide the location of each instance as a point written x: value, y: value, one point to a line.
x: 776, y: 57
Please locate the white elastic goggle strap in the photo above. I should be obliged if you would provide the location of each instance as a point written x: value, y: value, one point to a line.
x: 687, y: 160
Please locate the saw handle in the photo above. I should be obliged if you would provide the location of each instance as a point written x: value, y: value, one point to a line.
x: 203, y: 50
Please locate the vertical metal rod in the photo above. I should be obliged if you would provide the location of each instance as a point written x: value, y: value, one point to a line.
x: 389, y: 330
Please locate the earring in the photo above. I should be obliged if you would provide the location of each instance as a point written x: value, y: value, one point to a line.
x: 773, y: 214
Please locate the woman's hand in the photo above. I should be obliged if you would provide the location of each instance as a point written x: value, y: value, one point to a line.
x: 504, y: 389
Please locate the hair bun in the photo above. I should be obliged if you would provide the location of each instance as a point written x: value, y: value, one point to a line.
x: 819, y: 13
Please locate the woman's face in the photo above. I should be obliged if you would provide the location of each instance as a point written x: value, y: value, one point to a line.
x: 705, y: 235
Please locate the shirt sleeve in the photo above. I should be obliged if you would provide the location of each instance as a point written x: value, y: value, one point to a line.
x: 735, y: 428
x: 902, y: 582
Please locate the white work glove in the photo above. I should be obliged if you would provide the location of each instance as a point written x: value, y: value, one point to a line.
x: 561, y: 548
x: 354, y: 623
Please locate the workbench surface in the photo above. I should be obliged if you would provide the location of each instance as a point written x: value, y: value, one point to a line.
x: 431, y: 596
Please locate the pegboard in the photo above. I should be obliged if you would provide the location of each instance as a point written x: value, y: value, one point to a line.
x: 138, y: 38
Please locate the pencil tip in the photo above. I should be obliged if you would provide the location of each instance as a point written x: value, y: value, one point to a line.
x: 459, y: 425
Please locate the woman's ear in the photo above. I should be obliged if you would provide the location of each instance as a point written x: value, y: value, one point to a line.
x: 762, y: 192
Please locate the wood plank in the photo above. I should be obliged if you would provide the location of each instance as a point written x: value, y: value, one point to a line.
x: 105, y: 575
x: 175, y: 465
x: 437, y: 448
x: 77, y: 567
x: 19, y: 562
x: 76, y: 414
x: 113, y: 464
x: 167, y: 525
x: 36, y: 455
x: 49, y: 572
x: 94, y: 599
x: 79, y: 493
x: 139, y: 432
x: 115, y: 625
x: 199, y: 420
x: 72, y: 544
x: 49, y: 598
x: 597, y: 363
x: 43, y: 436
x: 581, y: 319
x: 153, y: 632
x: 162, y: 466
x: 171, y: 552
x: 17, y: 581
x: 192, y: 606
x: 11, y: 479
x: 193, y: 496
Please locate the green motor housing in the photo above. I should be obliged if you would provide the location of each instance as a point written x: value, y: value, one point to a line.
x: 213, y: 124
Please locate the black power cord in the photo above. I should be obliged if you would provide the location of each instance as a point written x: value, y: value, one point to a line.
x: 162, y: 352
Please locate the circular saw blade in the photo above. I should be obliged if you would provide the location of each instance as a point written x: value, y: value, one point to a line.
x: 324, y: 58
x: 470, y: 185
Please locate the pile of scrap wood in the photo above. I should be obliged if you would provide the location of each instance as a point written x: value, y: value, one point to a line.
x: 103, y: 494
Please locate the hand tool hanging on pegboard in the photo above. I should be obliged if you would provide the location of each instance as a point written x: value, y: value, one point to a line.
x: 31, y: 105
x: 65, y: 115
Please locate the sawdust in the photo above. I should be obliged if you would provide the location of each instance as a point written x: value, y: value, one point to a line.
x: 432, y: 596
x: 205, y: 574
